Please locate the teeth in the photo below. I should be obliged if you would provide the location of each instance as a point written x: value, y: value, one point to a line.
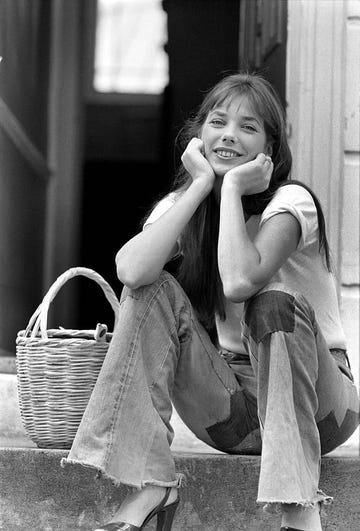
x: 228, y: 154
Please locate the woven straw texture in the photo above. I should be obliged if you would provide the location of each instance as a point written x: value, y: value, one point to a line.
x: 57, y: 369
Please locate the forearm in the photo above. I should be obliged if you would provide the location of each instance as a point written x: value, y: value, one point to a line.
x: 246, y: 265
x: 141, y: 260
x: 238, y: 258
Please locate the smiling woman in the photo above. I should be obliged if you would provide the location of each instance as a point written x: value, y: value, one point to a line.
x: 246, y: 343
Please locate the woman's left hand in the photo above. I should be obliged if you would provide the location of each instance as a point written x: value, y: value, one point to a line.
x: 252, y: 177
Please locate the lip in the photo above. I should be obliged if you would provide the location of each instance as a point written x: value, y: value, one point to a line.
x: 226, y: 153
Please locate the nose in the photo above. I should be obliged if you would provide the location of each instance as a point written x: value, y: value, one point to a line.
x: 229, y: 135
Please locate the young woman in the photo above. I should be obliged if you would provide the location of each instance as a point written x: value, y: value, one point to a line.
x: 247, y: 342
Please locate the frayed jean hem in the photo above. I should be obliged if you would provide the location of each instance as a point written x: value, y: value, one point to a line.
x: 101, y: 472
x: 276, y: 506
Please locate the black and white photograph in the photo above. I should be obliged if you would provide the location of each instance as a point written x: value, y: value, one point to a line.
x: 179, y: 265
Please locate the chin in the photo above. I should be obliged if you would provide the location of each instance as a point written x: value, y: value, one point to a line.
x: 220, y: 170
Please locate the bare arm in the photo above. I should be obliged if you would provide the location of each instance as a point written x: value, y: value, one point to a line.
x: 141, y: 260
x: 246, y: 266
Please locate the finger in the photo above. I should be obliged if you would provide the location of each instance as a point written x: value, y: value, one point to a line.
x: 196, y: 142
x: 270, y: 170
x: 260, y: 157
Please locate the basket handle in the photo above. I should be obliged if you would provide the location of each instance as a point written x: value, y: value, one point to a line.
x: 39, y: 317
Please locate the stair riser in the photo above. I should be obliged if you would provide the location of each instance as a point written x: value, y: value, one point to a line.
x: 36, y: 494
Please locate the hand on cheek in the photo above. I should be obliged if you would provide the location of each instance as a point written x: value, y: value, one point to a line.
x: 194, y: 161
x: 252, y: 177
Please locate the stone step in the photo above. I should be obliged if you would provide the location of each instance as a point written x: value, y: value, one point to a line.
x: 36, y: 494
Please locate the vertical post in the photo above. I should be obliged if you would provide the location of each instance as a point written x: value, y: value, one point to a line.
x: 315, y: 95
x: 350, y: 273
x: 351, y: 216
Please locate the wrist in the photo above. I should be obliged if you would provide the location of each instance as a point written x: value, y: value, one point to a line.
x: 202, y: 186
x: 233, y: 184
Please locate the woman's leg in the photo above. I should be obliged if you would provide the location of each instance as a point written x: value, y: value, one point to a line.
x: 159, y: 352
x: 307, y: 406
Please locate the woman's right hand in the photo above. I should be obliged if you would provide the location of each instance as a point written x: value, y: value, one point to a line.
x: 196, y: 164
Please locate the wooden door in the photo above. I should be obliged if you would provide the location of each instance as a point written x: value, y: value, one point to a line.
x: 262, y: 43
x: 24, y: 175
x: 40, y: 158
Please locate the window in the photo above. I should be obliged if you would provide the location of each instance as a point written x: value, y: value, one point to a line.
x: 129, y: 47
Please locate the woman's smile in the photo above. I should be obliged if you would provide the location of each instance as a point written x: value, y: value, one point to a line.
x: 226, y: 153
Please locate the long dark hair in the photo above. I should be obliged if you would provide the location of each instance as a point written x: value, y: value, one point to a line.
x: 198, y: 271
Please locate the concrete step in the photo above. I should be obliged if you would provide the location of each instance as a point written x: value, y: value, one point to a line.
x: 36, y: 494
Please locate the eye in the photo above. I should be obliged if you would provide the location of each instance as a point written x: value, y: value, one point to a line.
x: 217, y: 122
x: 249, y: 127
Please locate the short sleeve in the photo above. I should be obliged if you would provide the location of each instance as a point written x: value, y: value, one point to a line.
x: 160, y: 208
x: 295, y: 200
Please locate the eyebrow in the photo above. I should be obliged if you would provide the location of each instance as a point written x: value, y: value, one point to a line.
x: 224, y: 113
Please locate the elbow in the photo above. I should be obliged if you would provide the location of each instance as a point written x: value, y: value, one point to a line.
x: 127, y: 278
x: 133, y: 276
x: 131, y: 283
x: 239, y: 290
x: 127, y: 275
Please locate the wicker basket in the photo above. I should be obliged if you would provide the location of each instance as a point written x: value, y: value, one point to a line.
x: 57, y: 369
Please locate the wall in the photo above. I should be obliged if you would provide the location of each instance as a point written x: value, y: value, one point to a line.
x: 315, y: 88
x: 323, y: 95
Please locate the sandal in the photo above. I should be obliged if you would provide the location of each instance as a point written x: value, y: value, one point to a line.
x: 165, y: 517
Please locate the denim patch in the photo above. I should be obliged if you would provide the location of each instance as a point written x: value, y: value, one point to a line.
x: 271, y: 311
x: 242, y: 420
x: 331, y: 434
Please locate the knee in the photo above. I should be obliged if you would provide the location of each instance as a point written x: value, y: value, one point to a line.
x: 163, y: 278
x: 270, y: 311
x: 164, y: 287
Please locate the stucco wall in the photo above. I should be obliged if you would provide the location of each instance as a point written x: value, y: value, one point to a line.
x: 323, y: 96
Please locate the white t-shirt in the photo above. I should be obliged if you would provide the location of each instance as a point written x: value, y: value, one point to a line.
x: 305, y: 270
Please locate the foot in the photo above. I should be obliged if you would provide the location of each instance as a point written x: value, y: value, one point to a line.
x: 301, y: 518
x: 139, y: 503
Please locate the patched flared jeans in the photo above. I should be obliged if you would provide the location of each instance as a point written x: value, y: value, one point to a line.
x: 294, y: 401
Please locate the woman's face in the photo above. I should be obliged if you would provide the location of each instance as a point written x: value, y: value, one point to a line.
x: 233, y: 135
